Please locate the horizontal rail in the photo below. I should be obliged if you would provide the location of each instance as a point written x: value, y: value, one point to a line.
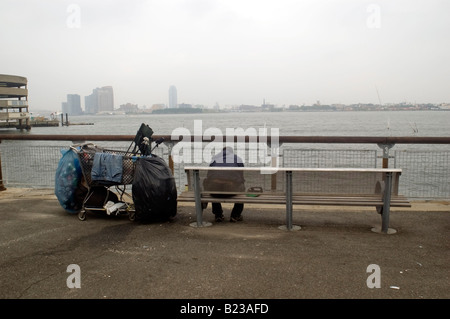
x: 425, y: 172
x: 269, y: 169
x: 280, y: 139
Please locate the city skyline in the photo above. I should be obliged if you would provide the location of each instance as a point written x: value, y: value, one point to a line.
x: 73, y: 106
x: 104, y: 96
x: 231, y: 52
x: 102, y: 100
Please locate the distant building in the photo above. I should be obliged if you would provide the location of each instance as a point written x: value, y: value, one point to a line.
x: 159, y: 106
x: 267, y: 107
x: 14, y: 102
x: 185, y: 106
x: 73, y: 105
x: 249, y: 108
x: 173, y: 97
x: 129, y: 108
x: 90, y: 104
x: 101, y: 100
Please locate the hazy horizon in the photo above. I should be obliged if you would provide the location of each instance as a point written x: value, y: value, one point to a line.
x: 229, y: 52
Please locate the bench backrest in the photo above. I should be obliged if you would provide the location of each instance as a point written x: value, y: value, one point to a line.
x: 306, y: 180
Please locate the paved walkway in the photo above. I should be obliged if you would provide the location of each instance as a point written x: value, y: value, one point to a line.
x: 328, y: 258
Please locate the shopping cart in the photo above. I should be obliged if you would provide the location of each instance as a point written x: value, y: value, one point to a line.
x: 104, y: 168
x: 98, y: 193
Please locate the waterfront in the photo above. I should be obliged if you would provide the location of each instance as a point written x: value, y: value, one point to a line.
x: 389, y: 123
x: 426, y: 166
x: 379, y: 123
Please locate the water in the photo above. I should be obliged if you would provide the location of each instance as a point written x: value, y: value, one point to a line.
x: 364, y: 123
x: 391, y: 123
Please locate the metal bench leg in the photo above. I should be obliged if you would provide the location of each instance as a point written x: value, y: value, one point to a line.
x: 289, y: 225
x: 198, y: 203
x: 386, y: 207
x: 386, y: 204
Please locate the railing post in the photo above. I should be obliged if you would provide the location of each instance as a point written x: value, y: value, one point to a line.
x: 2, y: 187
x: 274, y: 162
x: 288, y: 200
x: 273, y: 178
x: 385, y: 148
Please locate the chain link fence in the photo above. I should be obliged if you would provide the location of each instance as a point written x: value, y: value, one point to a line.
x: 426, y: 174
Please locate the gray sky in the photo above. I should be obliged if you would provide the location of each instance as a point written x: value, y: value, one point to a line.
x: 229, y: 51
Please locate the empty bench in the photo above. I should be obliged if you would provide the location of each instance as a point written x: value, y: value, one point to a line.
x: 302, y: 186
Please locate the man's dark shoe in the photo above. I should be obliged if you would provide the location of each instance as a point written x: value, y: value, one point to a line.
x: 234, y: 219
x: 219, y: 218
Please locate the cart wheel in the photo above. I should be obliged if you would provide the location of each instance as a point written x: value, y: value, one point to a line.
x: 82, y: 215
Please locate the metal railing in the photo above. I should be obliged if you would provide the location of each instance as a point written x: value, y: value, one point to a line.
x: 31, y: 160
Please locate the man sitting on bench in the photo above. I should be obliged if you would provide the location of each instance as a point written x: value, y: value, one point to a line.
x: 220, y: 181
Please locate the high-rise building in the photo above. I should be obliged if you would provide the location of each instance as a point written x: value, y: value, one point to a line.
x: 90, y: 104
x: 173, y: 97
x: 101, y: 100
x: 73, y: 105
x: 105, y: 99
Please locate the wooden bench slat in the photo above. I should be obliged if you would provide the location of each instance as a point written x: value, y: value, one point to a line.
x: 299, y: 200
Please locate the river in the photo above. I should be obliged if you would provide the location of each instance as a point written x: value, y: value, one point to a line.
x: 432, y: 161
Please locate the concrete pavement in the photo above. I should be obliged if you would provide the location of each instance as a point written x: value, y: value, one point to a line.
x: 330, y: 257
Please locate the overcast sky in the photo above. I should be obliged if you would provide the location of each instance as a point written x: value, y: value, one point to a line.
x: 229, y: 51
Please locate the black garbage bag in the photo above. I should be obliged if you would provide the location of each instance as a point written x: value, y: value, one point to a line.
x: 154, y: 190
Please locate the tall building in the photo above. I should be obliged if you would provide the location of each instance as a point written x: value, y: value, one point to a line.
x: 73, y: 105
x: 173, y: 97
x: 105, y: 99
x: 101, y: 100
x: 90, y: 104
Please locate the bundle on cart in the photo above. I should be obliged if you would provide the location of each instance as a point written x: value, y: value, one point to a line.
x: 154, y: 190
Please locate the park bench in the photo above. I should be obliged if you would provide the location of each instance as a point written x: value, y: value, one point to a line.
x: 376, y: 187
